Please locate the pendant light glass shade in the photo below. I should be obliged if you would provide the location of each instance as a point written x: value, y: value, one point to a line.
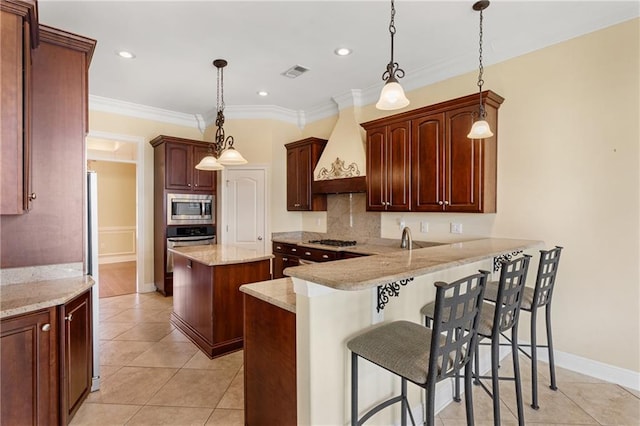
x: 480, y: 130
x: 231, y: 156
x: 392, y: 96
x: 209, y: 163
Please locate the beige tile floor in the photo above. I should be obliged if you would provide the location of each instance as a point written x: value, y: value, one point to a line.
x: 153, y: 375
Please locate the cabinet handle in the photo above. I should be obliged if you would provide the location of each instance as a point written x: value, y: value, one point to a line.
x: 440, y: 203
x: 278, y: 248
x: 46, y: 327
x: 189, y: 264
x: 293, y: 249
x: 285, y: 259
x: 446, y: 203
x: 32, y: 196
x: 69, y: 317
x: 306, y: 253
x: 324, y: 256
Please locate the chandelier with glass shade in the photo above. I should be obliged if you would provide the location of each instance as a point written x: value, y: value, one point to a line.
x: 221, y: 151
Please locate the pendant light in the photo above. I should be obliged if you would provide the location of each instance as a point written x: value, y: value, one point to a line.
x: 392, y: 95
x: 221, y: 151
x: 480, y: 128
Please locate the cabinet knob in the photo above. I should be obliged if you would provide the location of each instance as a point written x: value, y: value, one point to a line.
x: 46, y: 327
x: 196, y: 184
x: 278, y: 248
x: 440, y: 203
x: 188, y: 184
x: 307, y: 253
x: 293, y: 249
x: 446, y: 203
x: 285, y: 259
x: 69, y: 317
x: 324, y: 256
x: 32, y: 196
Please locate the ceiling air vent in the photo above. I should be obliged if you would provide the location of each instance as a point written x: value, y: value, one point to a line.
x: 295, y: 71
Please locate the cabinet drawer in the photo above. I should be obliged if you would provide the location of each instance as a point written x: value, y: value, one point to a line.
x: 317, y: 255
x: 286, y: 249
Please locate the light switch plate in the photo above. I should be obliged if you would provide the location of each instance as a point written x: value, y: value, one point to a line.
x: 456, y: 228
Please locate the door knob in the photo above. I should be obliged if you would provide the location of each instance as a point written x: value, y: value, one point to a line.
x: 259, y: 238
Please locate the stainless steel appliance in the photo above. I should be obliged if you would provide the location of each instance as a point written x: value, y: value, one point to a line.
x: 92, y: 269
x: 191, y: 209
x: 181, y: 236
x: 334, y: 243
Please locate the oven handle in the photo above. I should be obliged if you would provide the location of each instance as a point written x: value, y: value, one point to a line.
x: 190, y: 239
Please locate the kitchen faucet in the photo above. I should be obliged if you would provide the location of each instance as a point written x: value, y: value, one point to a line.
x: 406, y: 241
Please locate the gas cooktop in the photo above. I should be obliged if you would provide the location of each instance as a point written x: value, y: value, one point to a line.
x: 335, y: 243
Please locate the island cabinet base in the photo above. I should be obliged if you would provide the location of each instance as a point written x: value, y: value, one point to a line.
x: 207, y: 302
x: 269, y: 364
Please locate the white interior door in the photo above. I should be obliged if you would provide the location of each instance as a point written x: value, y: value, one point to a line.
x: 245, y: 207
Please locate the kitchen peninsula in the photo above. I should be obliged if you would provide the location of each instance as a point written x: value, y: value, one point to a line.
x: 207, y: 303
x: 336, y: 301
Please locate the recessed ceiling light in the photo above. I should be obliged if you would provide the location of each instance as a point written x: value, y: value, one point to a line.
x: 263, y: 93
x: 342, y: 51
x: 125, y: 54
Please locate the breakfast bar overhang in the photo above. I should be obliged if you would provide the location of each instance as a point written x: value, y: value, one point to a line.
x: 336, y: 302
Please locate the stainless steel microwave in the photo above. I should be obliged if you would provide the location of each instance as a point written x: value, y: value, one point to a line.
x: 187, y: 209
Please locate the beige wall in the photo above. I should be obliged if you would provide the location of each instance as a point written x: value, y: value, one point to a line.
x: 568, y: 161
x: 116, y: 208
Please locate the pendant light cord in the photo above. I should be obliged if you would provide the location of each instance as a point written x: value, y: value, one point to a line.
x: 393, y: 70
x: 481, y: 71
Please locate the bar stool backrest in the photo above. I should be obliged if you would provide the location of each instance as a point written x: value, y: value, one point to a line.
x: 546, y: 278
x: 513, y: 276
x: 455, y: 325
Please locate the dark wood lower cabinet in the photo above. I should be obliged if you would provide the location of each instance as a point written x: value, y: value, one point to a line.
x: 207, y: 302
x: 29, y: 363
x: 76, y: 355
x: 46, y: 363
x: 269, y: 364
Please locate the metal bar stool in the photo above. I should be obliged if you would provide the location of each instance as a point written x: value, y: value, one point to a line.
x: 424, y: 356
x: 494, y: 321
x: 533, y: 298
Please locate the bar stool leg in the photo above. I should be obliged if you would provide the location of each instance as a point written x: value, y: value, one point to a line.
x: 552, y: 366
x: 516, y: 371
x: 403, y: 404
x: 354, y: 389
x: 495, y: 384
x: 534, y: 360
x: 468, y: 398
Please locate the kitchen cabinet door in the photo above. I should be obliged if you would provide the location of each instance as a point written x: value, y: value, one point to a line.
x: 29, y: 363
x: 203, y: 180
x: 389, y: 167
x: 302, y: 158
x: 76, y: 354
x: 428, y: 148
x: 15, y: 109
x: 181, y: 172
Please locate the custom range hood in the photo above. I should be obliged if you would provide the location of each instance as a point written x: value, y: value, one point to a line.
x: 342, y: 165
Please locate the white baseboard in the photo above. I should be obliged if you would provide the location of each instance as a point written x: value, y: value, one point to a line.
x: 103, y: 260
x: 589, y: 367
x: 147, y: 288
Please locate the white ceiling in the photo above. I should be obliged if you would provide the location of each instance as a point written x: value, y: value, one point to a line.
x: 176, y: 41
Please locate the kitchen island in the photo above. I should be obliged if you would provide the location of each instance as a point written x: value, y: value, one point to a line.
x: 207, y: 303
x: 338, y: 300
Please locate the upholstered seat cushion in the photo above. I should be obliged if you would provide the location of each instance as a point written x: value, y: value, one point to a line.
x: 491, y: 293
x: 485, y: 324
x: 401, y: 347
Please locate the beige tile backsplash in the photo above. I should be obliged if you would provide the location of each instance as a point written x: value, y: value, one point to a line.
x: 348, y: 218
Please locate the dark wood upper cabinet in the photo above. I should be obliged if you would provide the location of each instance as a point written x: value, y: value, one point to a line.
x: 180, y: 159
x: 302, y: 158
x: 389, y: 167
x: 18, y: 34
x: 443, y: 171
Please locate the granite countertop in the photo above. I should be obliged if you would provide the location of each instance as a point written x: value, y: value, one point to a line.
x: 369, y: 247
x: 277, y: 292
x: 367, y: 272
x: 216, y: 254
x: 25, y: 297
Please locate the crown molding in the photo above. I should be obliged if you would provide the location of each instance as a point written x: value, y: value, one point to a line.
x: 114, y: 106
